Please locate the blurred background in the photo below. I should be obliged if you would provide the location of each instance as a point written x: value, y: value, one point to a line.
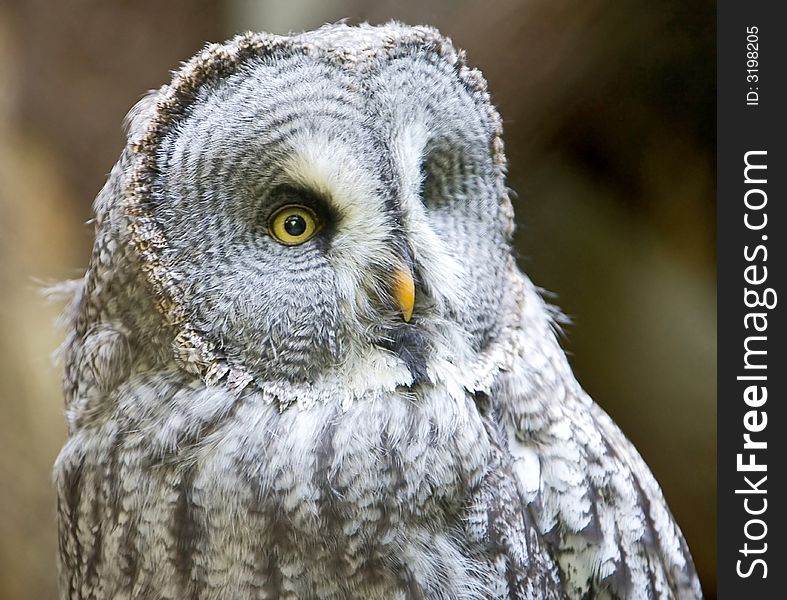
x: 609, y: 112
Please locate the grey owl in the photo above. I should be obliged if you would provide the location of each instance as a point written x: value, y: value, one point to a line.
x: 304, y: 364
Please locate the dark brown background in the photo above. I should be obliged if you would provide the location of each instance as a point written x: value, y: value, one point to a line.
x: 609, y: 108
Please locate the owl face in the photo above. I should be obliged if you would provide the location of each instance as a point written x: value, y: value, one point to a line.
x: 336, y: 205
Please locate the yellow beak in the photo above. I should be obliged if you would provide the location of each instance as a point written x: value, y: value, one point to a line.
x: 404, y: 291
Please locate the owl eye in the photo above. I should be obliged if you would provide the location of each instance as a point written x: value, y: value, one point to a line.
x: 293, y: 225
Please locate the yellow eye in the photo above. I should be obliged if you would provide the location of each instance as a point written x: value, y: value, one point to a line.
x: 294, y: 224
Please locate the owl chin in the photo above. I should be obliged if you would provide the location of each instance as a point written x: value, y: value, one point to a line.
x: 410, y: 344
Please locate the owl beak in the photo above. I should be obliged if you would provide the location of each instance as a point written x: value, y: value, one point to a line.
x: 404, y: 291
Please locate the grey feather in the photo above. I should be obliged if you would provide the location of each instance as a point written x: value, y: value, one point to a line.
x: 249, y: 419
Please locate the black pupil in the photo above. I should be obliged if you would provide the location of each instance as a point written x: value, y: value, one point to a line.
x: 295, y: 225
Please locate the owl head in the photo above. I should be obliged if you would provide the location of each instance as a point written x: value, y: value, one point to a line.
x: 329, y: 205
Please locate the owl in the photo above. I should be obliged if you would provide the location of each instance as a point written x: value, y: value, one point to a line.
x: 303, y: 362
